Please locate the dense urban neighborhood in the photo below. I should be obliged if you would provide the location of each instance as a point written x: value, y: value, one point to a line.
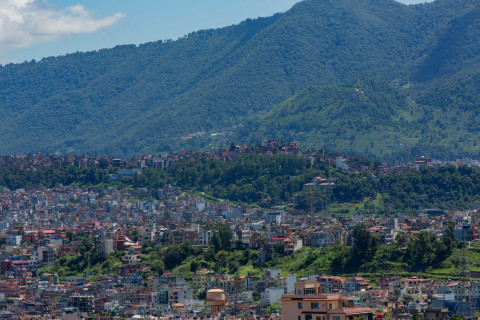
x: 116, y: 252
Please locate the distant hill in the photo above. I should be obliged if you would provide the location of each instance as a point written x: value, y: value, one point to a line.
x: 132, y: 100
x: 367, y: 116
x: 370, y: 117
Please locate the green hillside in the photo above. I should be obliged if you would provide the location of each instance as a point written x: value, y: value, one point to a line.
x: 370, y: 117
x: 367, y: 116
x: 144, y: 99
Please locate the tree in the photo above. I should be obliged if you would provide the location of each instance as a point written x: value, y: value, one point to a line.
x: 215, y: 242
x: 239, y: 245
x: 135, y: 234
x: 210, y: 254
x: 158, y: 267
x: 449, y: 238
x: 401, y: 240
x: 70, y: 235
x: 225, y: 234
x: 365, y: 246
x: 85, y: 246
x: 421, y: 251
x: 194, y: 266
x: 176, y: 254
x: 279, y: 249
x: 416, y: 315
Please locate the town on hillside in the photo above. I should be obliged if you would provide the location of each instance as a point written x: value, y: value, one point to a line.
x: 74, y: 252
x: 352, y: 162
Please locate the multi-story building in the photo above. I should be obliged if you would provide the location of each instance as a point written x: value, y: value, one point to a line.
x: 177, y: 236
x: 22, y: 266
x: 272, y: 295
x: 180, y: 294
x: 45, y: 254
x: 84, y: 303
x: 12, y: 288
x: 309, y: 303
x: 200, y: 278
x: 331, y: 283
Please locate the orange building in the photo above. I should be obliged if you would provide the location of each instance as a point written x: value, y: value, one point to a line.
x: 309, y: 303
x: 119, y: 242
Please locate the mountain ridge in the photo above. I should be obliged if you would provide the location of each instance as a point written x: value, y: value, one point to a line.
x: 143, y: 99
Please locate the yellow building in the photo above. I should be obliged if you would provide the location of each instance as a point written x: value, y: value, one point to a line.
x: 309, y: 303
x: 200, y: 278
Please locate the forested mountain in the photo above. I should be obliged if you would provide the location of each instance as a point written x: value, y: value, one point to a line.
x: 370, y: 117
x: 143, y: 99
x: 367, y: 116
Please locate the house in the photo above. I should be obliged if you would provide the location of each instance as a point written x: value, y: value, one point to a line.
x: 272, y: 295
x: 309, y: 303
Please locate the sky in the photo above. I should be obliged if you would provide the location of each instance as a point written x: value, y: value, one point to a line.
x: 33, y: 29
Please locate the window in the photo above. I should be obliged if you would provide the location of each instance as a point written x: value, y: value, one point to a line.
x: 330, y: 306
x: 299, y: 317
x: 308, y: 317
x: 315, y: 306
x: 310, y: 291
x: 300, y: 305
x: 336, y: 318
x: 319, y: 318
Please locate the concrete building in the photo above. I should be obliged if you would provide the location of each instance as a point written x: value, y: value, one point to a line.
x: 272, y: 296
x: 309, y: 303
x: 84, y: 303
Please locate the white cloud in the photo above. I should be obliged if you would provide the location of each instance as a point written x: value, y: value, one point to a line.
x: 27, y: 22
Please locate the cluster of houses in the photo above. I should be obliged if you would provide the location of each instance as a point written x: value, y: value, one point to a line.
x: 343, y: 162
x: 37, y: 227
x: 40, y: 225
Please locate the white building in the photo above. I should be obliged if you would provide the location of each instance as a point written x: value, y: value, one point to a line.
x: 272, y: 296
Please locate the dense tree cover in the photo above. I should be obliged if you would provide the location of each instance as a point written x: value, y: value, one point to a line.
x: 366, y: 116
x: 370, y: 117
x: 250, y: 178
x: 363, y: 251
x: 447, y: 187
x: 220, y: 255
x: 268, y: 180
x: 460, y: 93
x: 88, y: 263
x: 143, y: 99
x: 417, y: 254
x: 15, y: 178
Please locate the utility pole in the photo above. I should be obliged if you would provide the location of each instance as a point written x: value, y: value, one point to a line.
x: 469, y: 302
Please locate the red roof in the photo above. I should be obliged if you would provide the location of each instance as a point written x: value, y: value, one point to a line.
x: 357, y: 310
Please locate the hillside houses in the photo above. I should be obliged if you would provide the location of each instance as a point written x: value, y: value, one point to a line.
x: 41, y: 226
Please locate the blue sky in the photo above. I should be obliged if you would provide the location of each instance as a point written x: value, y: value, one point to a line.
x: 32, y: 29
